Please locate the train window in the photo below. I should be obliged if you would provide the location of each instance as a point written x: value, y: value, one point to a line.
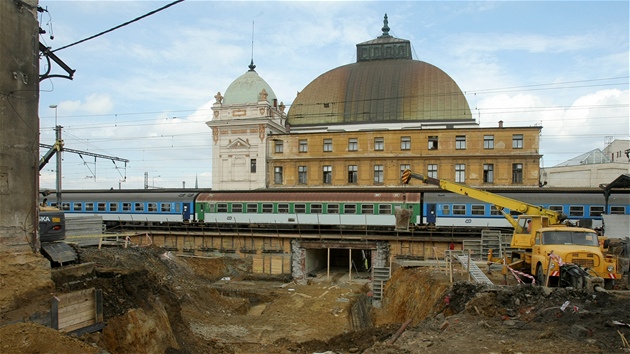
x: 138, y: 207
x: 126, y: 206
x: 459, y: 209
x: 177, y: 207
x: 89, y: 206
x: 350, y: 209
x: 113, y: 206
x: 65, y: 206
x: 222, y: 208
x: 152, y: 207
x: 76, y: 206
x: 102, y: 206
x: 252, y: 208
x: 576, y: 210
x: 237, y: 207
x: 495, y: 211
x: 478, y: 209
x: 446, y: 209
x: 165, y: 207
x: 210, y: 208
x: 267, y: 208
x: 300, y: 208
x: 283, y: 208
x: 385, y: 209
x: 367, y: 209
x: 617, y: 210
x: 316, y: 208
x: 595, y: 210
x: 333, y: 208
x: 556, y: 208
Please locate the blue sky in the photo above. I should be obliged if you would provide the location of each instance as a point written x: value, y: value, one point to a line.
x: 144, y: 91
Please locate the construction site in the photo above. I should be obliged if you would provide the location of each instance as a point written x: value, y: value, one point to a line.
x: 152, y: 300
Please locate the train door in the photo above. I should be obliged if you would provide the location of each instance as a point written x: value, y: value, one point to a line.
x: 186, y: 212
x: 431, y: 215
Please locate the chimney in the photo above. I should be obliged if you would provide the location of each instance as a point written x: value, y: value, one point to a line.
x: 500, y: 124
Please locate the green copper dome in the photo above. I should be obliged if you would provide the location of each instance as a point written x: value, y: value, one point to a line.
x: 246, y: 89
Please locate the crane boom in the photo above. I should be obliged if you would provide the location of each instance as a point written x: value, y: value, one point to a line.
x: 499, y: 201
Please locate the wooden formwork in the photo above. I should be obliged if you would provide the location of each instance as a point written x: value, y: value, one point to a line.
x: 78, y: 312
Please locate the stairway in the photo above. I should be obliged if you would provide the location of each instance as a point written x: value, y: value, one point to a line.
x: 381, y: 276
x: 475, y: 272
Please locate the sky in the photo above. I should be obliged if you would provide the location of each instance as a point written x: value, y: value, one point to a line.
x: 144, y: 91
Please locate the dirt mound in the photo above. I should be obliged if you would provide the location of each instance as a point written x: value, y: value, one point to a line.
x: 156, y: 302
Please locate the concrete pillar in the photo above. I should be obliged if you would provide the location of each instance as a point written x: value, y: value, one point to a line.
x: 19, y: 125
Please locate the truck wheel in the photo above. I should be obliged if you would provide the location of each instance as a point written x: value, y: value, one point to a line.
x: 609, y: 284
x: 540, y: 277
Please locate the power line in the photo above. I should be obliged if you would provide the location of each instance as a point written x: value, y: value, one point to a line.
x: 119, y: 26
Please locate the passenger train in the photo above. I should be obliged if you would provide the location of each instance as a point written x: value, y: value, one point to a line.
x: 362, y: 208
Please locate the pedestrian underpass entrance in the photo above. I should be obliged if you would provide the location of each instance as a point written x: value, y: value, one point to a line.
x: 335, y: 259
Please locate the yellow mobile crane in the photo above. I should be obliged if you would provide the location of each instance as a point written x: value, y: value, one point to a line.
x: 543, y: 246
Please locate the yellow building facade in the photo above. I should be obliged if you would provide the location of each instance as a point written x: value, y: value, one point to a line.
x: 475, y: 156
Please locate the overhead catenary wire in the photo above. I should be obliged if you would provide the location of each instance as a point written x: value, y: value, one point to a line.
x: 119, y: 26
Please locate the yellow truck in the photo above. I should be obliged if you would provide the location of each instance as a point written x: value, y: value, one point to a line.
x: 544, y: 247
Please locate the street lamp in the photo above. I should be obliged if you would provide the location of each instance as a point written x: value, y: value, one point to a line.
x: 59, y: 145
x: 153, y: 180
x: 54, y: 106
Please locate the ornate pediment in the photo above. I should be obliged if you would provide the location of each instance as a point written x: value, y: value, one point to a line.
x: 238, y: 143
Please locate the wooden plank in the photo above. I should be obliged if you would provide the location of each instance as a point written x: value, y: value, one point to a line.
x: 257, y: 264
x: 65, y: 321
x: 77, y: 306
x: 78, y: 325
x: 276, y: 264
x: 75, y: 296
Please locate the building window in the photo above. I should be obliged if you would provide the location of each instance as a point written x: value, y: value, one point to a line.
x: 433, y: 143
x: 432, y: 171
x: 279, y: 146
x: 517, y: 173
x: 277, y: 175
x: 302, y: 174
x: 327, y: 174
x: 252, y: 165
x: 353, y: 144
x: 517, y: 141
x: 488, y: 173
x: 403, y: 168
x: 327, y: 145
x: 460, y: 142
x: 378, y: 173
x: 405, y: 143
x: 379, y: 144
x: 460, y: 173
x: 488, y: 141
x: 303, y: 145
x: 353, y: 174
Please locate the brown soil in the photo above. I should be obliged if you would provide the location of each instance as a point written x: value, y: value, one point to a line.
x: 155, y: 302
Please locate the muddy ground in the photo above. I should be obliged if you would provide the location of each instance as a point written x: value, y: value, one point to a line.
x: 156, y: 302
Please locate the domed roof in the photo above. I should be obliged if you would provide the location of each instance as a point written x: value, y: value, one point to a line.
x: 385, y: 85
x: 246, y: 88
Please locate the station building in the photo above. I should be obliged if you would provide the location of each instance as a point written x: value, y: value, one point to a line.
x: 361, y: 125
